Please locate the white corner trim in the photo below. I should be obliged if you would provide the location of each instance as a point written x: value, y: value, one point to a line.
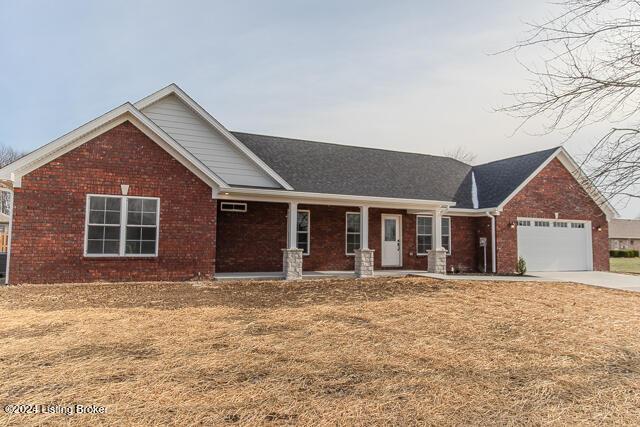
x: 173, y: 89
x: 98, y: 126
x: 567, y: 161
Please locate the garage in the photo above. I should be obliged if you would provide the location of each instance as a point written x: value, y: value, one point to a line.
x: 555, y: 245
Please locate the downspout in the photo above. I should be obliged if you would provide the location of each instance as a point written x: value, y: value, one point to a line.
x: 6, y: 272
x: 493, y: 242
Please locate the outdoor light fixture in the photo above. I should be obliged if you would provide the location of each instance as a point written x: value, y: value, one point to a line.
x: 512, y: 224
x: 599, y: 228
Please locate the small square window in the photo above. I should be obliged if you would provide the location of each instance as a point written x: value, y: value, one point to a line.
x: 233, y: 207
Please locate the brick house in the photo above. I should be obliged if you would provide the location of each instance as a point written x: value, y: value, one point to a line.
x: 624, y: 234
x: 160, y: 190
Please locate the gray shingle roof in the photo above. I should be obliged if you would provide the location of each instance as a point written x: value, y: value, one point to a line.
x: 497, y: 180
x: 320, y: 167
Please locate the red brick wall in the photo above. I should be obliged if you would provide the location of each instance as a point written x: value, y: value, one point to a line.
x: 49, y: 213
x: 253, y: 241
x: 553, y: 190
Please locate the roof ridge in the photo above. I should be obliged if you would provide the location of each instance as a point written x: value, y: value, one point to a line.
x: 351, y: 146
x: 553, y: 149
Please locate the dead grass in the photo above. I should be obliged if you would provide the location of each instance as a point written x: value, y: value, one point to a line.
x: 325, y: 352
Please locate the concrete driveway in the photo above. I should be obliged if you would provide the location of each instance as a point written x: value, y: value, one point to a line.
x: 627, y: 282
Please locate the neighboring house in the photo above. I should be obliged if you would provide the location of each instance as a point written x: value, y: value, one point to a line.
x: 159, y: 190
x: 624, y: 234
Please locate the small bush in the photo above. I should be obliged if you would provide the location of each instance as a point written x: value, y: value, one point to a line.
x: 521, y: 267
x: 624, y: 253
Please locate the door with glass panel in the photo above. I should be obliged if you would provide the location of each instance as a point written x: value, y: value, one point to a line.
x: 391, y: 240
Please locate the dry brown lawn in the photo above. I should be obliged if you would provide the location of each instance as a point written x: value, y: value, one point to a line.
x: 326, y: 352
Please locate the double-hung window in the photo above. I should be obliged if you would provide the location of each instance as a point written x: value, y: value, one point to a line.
x: 353, y: 232
x: 424, y: 228
x: 303, y: 231
x: 122, y: 226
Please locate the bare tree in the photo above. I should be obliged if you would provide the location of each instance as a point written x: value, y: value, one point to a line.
x: 589, y: 73
x: 7, y: 155
x: 460, y: 153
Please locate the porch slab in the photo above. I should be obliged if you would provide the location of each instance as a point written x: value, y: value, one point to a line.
x: 278, y: 275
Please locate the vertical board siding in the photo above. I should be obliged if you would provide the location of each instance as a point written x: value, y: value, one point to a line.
x: 206, y: 143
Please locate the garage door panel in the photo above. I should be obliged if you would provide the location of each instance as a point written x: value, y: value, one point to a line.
x: 555, y: 248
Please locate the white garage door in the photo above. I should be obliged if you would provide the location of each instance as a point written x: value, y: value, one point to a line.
x: 552, y: 245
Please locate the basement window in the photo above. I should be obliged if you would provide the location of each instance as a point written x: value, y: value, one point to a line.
x: 233, y: 207
x: 121, y: 226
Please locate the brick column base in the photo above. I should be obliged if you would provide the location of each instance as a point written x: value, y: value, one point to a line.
x: 437, y: 261
x: 364, y: 262
x: 292, y: 263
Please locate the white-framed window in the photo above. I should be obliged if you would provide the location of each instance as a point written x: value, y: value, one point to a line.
x: 352, y: 232
x: 233, y: 207
x: 121, y: 226
x: 524, y: 223
x: 577, y: 225
x: 558, y: 224
x: 541, y: 223
x: 424, y: 234
x: 304, y: 231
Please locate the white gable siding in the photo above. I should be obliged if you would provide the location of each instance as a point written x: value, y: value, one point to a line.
x: 206, y: 143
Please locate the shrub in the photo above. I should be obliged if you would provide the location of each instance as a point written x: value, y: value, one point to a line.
x: 521, y: 267
x: 624, y: 253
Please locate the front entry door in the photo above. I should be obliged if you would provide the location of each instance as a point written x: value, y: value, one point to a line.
x: 391, y: 242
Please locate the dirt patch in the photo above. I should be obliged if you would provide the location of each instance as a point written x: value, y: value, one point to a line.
x: 392, y: 351
x: 238, y: 294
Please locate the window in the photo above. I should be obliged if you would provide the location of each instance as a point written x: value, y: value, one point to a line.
x: 424, y: 234
x: 233, y: 207
x: 122, y: 226
x: 541, y: 223
x: 560, y: 224
x: 303, y: 231
x: 577, y: 225
x: 524, y: 223
x: 353, y: 232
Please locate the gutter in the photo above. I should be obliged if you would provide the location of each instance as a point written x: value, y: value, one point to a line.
x: 349, y: 200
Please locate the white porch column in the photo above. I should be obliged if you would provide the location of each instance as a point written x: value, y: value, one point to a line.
x: 437, y: 256
x: 292, y: 223
x: 364, y: 227
x: 292, y: 256
x: 436, y: 229
x: 364, y: 255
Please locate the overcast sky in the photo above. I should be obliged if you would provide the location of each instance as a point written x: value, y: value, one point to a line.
x: 404, y: 75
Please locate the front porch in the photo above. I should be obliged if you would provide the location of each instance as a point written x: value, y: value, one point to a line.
x: 262, y: 238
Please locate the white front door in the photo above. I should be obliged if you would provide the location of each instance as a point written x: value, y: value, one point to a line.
x: 555, y: 245
x: 391, y: 240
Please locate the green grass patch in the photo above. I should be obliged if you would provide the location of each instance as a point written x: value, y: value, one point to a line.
x: 625, y: 265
